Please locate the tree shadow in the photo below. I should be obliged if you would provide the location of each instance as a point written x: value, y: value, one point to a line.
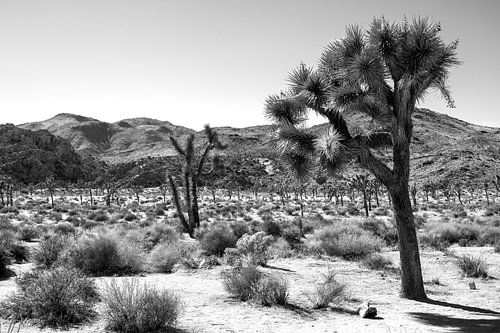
x: 460, y: 306
x: 463, y: 325
x: 278, y: 268
x: 459, y: 324
x: 299, y: 310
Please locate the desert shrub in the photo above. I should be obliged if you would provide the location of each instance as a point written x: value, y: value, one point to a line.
x: 270, y: 290
x: 27, y: 232
x: 217, y: 239
x: 291, y: 234
x: 9, y: 210
x: 161, y: 232
x: 239, y: 228
x: 465, y: 234
x: 377, y: 261
x: 280, y: 249
x: 99, y: 216
x: 434, y: 241
x: 492, y: 210
x: 377, y: 227
x: 470, y: 266
x: 49, y: 249
x: 132, y: 307
x: 347, y: 241
x: 241, y: 281
x: 130, y: 217
x: 164, y: 256
x: 64, y: 228
x: 326, y: 292
x: 55, y: 297
x: 253, y: 249
x: 271, y: 228
x: 105, y: 253
x: 90, y: 224
x: 19, y: 252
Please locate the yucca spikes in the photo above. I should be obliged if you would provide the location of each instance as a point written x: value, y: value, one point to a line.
x: 284, y: 109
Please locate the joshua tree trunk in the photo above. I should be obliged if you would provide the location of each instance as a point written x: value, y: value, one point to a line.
x: 52, y: 199
x: 365, y: 203
x: 187, y: 197
x: 194, y: 202
x: 411, y: 272
x: 91, y: 198
x: 487, y: 195
x: 175, y: 199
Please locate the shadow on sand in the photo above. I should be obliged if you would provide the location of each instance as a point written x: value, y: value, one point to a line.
x: 463, y: 325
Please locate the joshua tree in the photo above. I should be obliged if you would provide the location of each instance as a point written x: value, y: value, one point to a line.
x: 192, y: 168
x: 50, y: 185
x: 414, y: 192
x: 137, y: 190
x: 360, y: 182
x: 164, y: 190
x: 380, y: 73
x: 5, y: 189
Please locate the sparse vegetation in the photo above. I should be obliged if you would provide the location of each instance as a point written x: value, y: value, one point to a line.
x: 471, y: 266
x: 133, y: 307
x: 326, y: 292
x: 55, y: 297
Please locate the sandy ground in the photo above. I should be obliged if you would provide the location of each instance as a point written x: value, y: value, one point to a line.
x: 208, y: 308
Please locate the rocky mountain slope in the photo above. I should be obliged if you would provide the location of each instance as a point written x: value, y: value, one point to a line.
x: 32, y: 156
x: 443, y: 147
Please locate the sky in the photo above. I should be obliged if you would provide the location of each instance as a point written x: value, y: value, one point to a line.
x: 210, y: 61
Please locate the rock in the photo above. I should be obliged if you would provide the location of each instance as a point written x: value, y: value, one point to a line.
x: 365, y: 310
x: 472, y: 286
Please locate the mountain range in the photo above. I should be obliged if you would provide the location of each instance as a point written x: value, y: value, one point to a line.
x: 443, y: 147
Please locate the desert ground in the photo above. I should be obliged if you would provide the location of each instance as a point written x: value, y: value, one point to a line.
x: 447, y: 231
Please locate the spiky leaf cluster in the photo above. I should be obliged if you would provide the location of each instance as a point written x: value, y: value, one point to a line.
x: 380, y: 72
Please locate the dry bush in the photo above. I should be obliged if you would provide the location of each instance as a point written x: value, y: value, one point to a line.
x: 252, y: 249
x: 164, y: 256
x: 240, y: 281
x: 465, y: 234
x: 105, y: 253
x: 27, y: 232
x: 271, y: 290
x: 327, y: 292
x: 132, y: 307
x: 216, y: 239
x: 249, y: 283
x: 49, y: 250
x: 161, y: 232
x: 344, y: 240
x: 470, y: 266
x: 377, y: 261
x: 55, y: 297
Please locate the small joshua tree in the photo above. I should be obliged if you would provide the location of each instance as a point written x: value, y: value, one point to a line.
x: 192, y: 168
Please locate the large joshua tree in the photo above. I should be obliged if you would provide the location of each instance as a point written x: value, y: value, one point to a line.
x: 380, y: 72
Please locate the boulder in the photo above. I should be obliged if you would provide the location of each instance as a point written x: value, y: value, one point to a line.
x: 365, y: 310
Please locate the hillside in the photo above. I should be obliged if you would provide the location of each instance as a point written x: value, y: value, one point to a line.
x: 32, y: 156
x: 443, y: 147
x: 125, y: 140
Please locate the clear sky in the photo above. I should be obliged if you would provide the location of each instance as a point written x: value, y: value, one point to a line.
x: 209, y: 61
